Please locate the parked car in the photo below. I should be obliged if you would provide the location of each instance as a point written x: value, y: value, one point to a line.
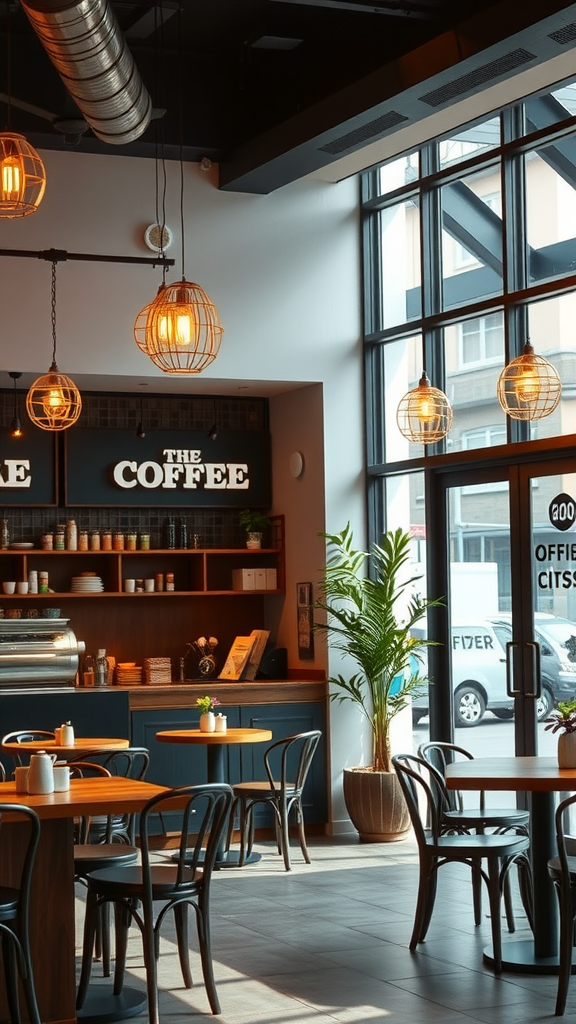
x: 478, y: 675
x: 557, y: 639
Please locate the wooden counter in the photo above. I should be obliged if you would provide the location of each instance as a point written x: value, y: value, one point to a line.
x: 261, y: 691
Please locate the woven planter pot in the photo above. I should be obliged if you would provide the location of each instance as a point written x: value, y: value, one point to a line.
x: 376, y: 805
x: 567, y: 750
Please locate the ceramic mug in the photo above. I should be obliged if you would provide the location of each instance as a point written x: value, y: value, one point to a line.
x: 61, y: 778
x: 21, y: 778
x: 129, y: 586
x: 22, y: 588
x: 9, y: 587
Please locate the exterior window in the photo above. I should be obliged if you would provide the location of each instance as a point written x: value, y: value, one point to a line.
x: 482, y: 339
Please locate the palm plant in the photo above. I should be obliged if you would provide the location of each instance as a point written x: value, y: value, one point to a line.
x: 362, y: 622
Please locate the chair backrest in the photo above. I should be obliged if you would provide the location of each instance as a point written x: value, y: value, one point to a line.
x: 296, y: 753
x: 86, y: 770
x: 425, y: 794
x: 439, y: 755
x: 26, y: 736
x: 131, y: 763
x: 202, y: 818
x: 563, y: 854
x: 21, y: 813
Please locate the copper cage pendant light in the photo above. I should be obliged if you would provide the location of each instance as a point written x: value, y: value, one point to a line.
x: 424, y: 414
x: 180, y: 329
x: 54, y: 402
x: 529, y: 388
x: 22, y: 173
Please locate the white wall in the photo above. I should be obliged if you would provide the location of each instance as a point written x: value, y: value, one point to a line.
x: 284, y: 272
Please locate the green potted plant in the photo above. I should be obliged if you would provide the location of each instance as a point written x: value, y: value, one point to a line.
x: 563, y: 720
x: 254, y: 523
x: 371, y: 608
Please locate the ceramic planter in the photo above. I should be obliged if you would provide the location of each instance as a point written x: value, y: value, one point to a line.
x: 207, y: 722
x: 567, y: 750
x: 254, y: 540
x: 376, y: 805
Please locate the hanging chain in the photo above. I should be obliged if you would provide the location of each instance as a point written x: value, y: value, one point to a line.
x: 53, y: 314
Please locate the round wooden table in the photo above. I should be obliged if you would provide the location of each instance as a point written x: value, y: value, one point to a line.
x: 215, y: 743
x: 81, y: 746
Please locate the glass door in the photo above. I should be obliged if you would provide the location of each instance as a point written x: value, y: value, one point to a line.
x: 506, y: 560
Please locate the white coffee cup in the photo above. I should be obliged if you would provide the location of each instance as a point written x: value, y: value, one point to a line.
x: 21, y: 778
x: 61, y: 778
x: 149, y: 586
x: 129, y: 586
x: 9, y: 588
x: 22, y: 588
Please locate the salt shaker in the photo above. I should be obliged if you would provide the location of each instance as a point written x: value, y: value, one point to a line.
x: 67, y: 735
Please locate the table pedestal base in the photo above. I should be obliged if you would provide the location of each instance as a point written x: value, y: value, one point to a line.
x: 101, y: 1006
x: 518, y: 956
x: 228, y: 860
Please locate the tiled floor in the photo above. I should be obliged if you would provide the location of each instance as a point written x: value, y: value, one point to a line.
x: 328, y: 942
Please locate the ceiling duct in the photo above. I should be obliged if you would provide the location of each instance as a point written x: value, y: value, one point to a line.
x: 84, y: 42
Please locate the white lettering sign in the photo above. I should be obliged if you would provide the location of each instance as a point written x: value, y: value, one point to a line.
x: 182, y: 469
x: 15, y: 473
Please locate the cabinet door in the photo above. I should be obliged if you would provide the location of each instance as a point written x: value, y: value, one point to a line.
x: 287, y: 720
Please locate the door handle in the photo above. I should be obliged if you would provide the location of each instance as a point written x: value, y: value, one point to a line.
x: 511, y: 646
x: 535, y: 689
x: 536, y: 676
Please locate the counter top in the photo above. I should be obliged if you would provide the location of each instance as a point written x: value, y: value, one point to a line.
x: 260, y: 691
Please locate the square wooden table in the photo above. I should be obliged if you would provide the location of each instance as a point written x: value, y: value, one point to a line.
x: 541, y: 778
x: 52, y: 926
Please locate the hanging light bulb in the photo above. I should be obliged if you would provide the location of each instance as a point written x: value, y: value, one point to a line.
x: 53, y: 402
x: 180, y: 330
x: 15, y: 425
x: 529, y: 388
x: 22, y: 177
x: 424, y: 415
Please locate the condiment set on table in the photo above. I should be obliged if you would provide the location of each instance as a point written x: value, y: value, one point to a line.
x: 44, y: 775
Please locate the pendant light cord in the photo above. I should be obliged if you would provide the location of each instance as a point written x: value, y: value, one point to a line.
x: 8, y: 68
x: 53, y: 312
x: 181, y: 134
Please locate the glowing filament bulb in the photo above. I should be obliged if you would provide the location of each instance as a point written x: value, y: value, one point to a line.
x: 55, y: 403
x: 527, y: 384
x: 11, y: 179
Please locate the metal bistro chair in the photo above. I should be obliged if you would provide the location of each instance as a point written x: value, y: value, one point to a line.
x: 562, y: 871
x: 204, y: 812
x: 26, y: 736
x: 94, y: 856
x: 478, y: 820
x: 14, y: 921
x: 420, y: 780
x: 130, y: 763
x: 296, y: 753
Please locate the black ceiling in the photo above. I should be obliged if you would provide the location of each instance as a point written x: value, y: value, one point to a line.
x: 273, y: 89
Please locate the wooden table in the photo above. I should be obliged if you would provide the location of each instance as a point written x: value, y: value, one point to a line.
x: 216, y: 772
x: 541, y: 778
x: 81, y: 746
x: 52, y: 899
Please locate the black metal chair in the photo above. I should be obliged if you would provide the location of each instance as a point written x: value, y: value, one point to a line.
x: 26, y: 736
x: 130, y: 763
x: 562, y: 871
x: 424, y: 791
x: 477, y: 820
x: 15, y: 921
x: 204, y: 812
x: 295, y: 755
x: 94, y: 855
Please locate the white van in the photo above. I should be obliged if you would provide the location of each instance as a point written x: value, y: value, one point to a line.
x: 478, y: 676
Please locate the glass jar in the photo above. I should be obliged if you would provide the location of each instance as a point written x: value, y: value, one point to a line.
x: 47, y: 541
x: 60, y: 538
x: 106, y: 541
x: 144, y: 541
x: 118, y: 542
x: 95, y: 541
x: 131, y: 541
x: 83, y: 540
x: 169, y: 581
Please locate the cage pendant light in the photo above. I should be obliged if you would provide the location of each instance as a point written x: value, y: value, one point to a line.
x: 22, y: 177
x: 53, y: 402
x: 529, y: 388
x: 424, y: 414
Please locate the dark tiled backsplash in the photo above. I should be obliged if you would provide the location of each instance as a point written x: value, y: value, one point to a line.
x: 215, y: 528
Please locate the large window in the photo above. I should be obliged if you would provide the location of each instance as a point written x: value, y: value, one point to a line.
x: 471, y: 245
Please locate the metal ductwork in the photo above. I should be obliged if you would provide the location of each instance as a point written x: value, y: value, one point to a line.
x: 84, y: 42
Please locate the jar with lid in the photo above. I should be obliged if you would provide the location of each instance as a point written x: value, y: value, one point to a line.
x: 88, y: 671
x: 83, y: 540
x: 169, y: 581
x: 106, y: 540
x: 101, y: 678
x: 95, y: 541
x: 47, y: 541
x: 60, y: 538
x: 5, y: 535
x: 118, y: 542
x: 71, y: 535
x: 144, y: 541
x: 131, y: 541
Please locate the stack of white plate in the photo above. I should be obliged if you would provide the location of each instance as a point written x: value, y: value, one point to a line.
x: 128, y: 673
x: 86, y: 584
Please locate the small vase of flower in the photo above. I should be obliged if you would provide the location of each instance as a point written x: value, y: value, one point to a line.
x: 207, y: 717
x: 563, y: 720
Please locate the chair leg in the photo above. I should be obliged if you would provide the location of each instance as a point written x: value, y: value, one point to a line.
x: 122, y: 919
x: 427, y: 884
x: 494, y: 896
x: 285, y: 835
x: 28, y: 976
x: 566, y: 946
x: 149, y: 946
x: 90, y: 917
x: 11, y: 977
x: 204, y: 943
x: 181, y: 922
x: 301, y: 833
x: 507, y: 894
x: 477, y: 895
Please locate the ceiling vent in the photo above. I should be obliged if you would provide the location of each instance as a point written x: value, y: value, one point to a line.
x: 374, y: 129
x: 481, y: 76
x: 564, y: 35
